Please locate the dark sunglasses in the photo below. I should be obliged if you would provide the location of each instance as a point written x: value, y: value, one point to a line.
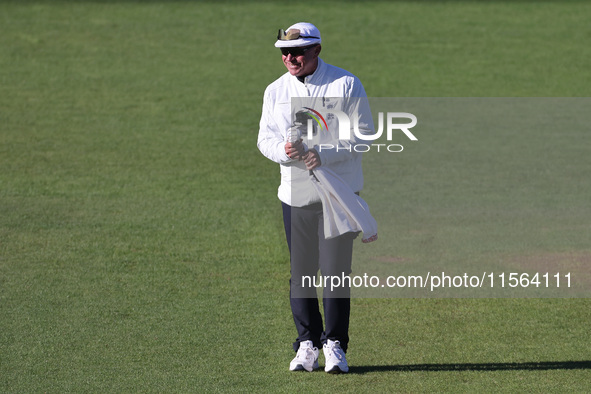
x: 296, y: 51
x: 292, y: 34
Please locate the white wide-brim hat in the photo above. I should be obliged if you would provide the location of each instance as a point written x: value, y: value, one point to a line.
x: 299, y: 35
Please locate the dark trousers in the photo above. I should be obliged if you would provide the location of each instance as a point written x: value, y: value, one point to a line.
x: 310, y: 252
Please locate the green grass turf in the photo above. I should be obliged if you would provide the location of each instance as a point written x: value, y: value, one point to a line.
x: 141, y: 244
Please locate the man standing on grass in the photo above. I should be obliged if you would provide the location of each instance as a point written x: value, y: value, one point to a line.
x: 310, y: 78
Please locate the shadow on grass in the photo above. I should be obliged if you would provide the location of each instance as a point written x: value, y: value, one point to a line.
x: 531, y: 366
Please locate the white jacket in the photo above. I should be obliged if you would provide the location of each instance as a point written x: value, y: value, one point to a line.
x: 328, y: 87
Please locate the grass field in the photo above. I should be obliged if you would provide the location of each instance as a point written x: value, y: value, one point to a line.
x: 141, y: 242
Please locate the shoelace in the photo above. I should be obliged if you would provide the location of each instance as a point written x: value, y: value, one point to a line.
x: 308, y: 353
x: 332, y: 349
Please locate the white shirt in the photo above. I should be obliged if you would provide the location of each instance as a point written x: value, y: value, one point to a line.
x: 328, y: 87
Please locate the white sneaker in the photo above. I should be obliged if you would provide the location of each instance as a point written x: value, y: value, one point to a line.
x: 306, y: 358
x: 336, y: 362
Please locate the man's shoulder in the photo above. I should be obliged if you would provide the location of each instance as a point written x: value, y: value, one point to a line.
x: 338, y: 71
x: 334, y: 74
x: 278, y: 84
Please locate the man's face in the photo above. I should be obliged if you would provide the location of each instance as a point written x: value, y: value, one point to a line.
x: 301, y: 61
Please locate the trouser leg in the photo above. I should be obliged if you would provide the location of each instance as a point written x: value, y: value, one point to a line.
x: 335, y: 257
x: 303, y: 246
